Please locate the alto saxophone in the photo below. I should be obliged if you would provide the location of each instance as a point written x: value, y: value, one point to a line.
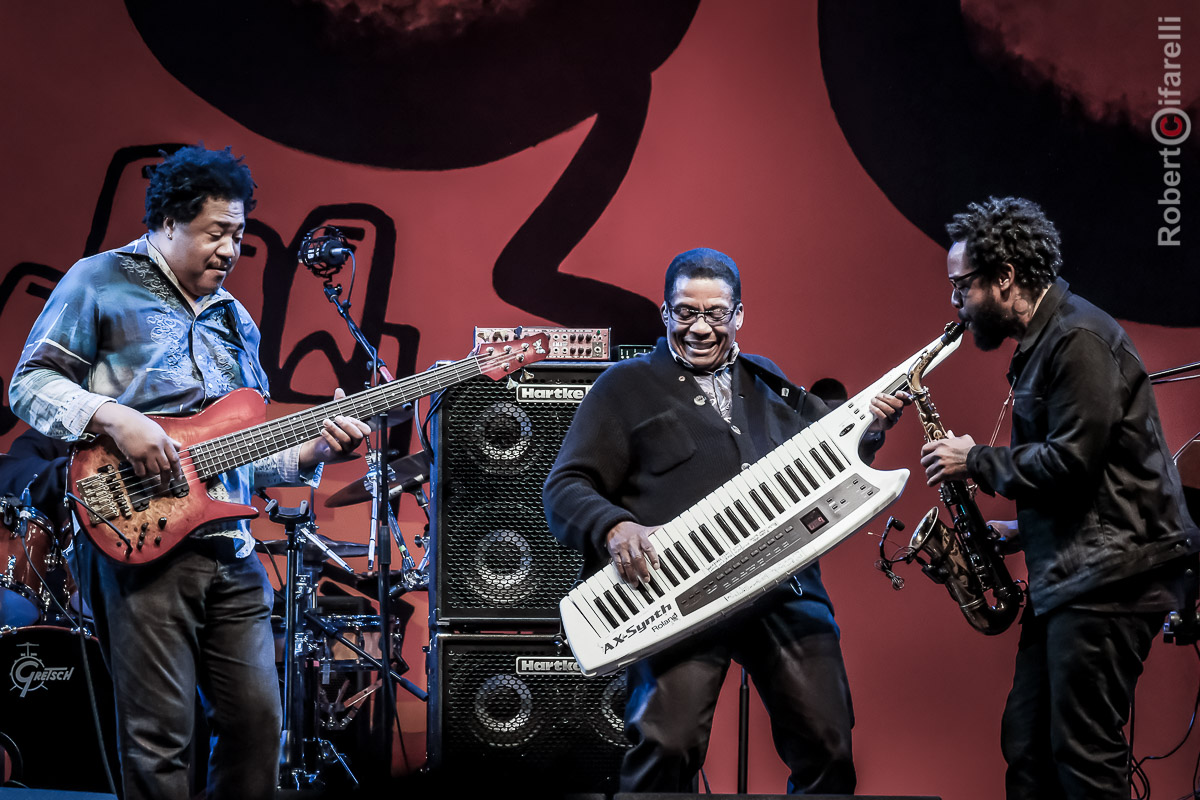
x: 963, y: 555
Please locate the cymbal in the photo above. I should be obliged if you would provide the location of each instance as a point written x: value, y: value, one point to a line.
x: 395, y: 416
x: 278, y: 547
x: 402, y: 414
x: 409, y: 471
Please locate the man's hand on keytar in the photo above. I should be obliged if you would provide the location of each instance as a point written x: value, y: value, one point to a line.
x: 886, y: 408
x: 631, y: 551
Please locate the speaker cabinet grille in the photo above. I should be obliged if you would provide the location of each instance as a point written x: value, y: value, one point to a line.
x: 495, y: 562
x: 516, y: 707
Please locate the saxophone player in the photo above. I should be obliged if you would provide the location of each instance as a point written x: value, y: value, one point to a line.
x: 1100, y: 512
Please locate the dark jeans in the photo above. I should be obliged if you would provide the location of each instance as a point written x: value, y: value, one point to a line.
x: 196, y: 617
x: 1062, y: 733
x: 791, y: 651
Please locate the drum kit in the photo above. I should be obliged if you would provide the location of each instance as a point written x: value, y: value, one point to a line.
x: 51, y: 667
x: 332, y: 661
x: 331, y: 650
x: 33, y: 570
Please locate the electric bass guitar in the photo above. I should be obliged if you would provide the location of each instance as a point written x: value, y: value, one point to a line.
x: 135, y: 520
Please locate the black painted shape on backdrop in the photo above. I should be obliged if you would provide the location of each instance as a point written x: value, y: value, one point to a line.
x: 939, y: 116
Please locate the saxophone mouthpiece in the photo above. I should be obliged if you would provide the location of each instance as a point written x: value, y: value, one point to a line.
x: 953, y: 331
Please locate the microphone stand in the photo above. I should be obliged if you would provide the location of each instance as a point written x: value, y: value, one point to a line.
x: 382, y: 510
x: 1168, y: 375
x: 743, y: 759
x: 297, y: 726
x: 334, y: 295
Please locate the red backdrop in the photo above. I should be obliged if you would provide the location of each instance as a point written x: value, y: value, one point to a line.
x: 740, y: 151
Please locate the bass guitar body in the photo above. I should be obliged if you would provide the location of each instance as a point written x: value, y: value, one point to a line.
x: 152, y: 515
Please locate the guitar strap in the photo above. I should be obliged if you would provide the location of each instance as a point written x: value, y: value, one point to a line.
x: 795, y: 396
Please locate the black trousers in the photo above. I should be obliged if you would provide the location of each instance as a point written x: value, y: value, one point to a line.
x: 1062, y: 732
x: 196, y: 617
x: 791, y: 651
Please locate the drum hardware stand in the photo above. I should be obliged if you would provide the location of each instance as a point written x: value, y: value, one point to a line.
x: 351, y: 706
x: 332, y: 630
x: 1175, y: 374
x: 298, y: 726
x: 413, y: 576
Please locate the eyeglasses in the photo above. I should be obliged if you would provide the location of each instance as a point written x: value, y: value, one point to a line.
x: 713, y: 316
x: 961, y: 283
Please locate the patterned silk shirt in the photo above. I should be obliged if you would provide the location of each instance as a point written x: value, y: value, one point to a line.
x: 717, y: 385
x: 118, y: 328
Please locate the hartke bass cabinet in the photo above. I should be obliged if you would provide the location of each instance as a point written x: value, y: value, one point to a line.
x: 496, y: 565
x: 515, y: 710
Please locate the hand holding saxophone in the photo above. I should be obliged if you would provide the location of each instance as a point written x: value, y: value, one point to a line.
x: 1007, y: 536
x: 946, y: 459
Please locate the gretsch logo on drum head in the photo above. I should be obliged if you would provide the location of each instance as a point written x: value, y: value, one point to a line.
x: 28, y: 673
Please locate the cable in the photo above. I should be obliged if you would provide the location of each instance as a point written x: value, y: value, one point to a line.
x: 42, y: 578
x: 116, y: 530
x: 87, y: 673
x: 274, y: 564
x: 434, y: 402
x: 353, y: 275
x: 1137, y: 770
x: 1187, y: 733
x: 91, y: 688
x: 1134, y: 767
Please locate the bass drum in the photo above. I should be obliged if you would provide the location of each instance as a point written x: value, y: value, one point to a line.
x: 47, y: 732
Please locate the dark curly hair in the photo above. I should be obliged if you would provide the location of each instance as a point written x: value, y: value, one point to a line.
x: 184, y: 180
x: 1009, y: 230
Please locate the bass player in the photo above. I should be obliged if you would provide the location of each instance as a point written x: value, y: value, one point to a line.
x: 148, y: 329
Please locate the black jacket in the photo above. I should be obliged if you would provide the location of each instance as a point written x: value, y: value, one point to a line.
x: 1098, y: 496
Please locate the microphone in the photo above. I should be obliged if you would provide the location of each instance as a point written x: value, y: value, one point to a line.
x: 27, y: 513
x: 328, y: 252
x: 325, y: 253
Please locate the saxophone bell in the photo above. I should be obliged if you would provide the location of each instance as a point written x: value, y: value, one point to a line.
x: 987, y: 597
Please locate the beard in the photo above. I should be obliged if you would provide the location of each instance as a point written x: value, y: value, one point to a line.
x: 990, y: 327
